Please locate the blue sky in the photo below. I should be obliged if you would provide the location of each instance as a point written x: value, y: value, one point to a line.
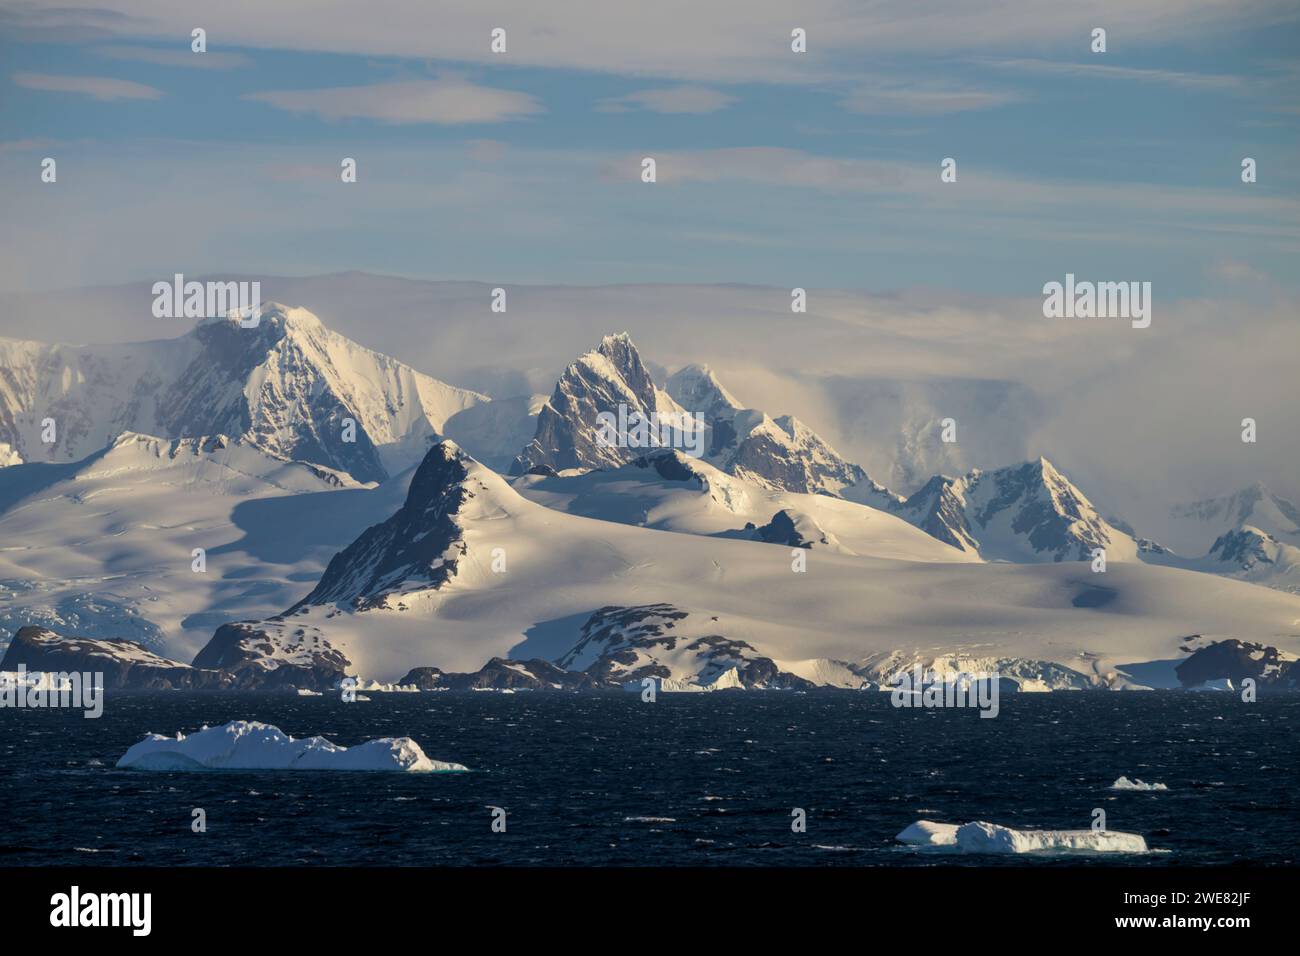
x: 817, y: 169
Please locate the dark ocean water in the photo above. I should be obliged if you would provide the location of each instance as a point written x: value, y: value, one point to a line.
x: 688, y: 780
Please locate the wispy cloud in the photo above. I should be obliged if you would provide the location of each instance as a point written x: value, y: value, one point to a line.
x: 719, y: 41
x: 186, y: 58
x: 102, y: 88
x: 1205, y: 81
x: 978, y: 189
x: 676, y: 99
x: 884, y: 100
x: 446, y: 101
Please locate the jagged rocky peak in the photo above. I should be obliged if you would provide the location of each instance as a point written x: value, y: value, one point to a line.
x: 1251, y: 554
x: 780, y: 453
x: 609, y: 378
x: 939, y: 509
x: 697, y: 388
x: 1245, y: 547
x: 421, y: 545
x: 1024, y: 513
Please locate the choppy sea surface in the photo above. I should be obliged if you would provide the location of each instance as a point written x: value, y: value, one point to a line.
x: 687, y: 780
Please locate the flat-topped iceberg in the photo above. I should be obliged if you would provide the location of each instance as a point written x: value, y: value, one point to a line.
x: 981, y: 837
x: 249, y: 745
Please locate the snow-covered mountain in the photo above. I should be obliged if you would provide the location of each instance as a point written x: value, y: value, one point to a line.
x: 568, y: 435
x: 1247, y: 554
x: 775, y: 452
x: 467, y: 570
x: 1023, y: 513
x: 780, y: 453
x: 1254, y: 555
x: 1195, y: 526
x: 103, y: 547
x: 288, y: 386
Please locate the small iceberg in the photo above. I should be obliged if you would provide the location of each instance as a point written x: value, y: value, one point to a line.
x: 249, y: 745
x: 981, y: 837
x: 1124, y: 783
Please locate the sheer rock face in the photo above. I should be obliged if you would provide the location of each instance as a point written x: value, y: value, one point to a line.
x: 419, y: 545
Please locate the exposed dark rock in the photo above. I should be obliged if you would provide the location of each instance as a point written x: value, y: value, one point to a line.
x: 421, y: 541
x: 622, y: 644
x: 257, y: 658
x: 123, y: 664
x: 1236, y: 660
x: 503, y: 674
x: 782, y: 529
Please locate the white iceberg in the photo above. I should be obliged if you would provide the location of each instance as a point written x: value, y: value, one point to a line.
x: 929, y: 833
x: 1124, y: 783
x: 981, y: 837
x: 249, y: 745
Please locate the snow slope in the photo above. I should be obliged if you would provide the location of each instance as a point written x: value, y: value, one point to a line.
x: 671, y: 491
x: 468, y: 569
x: 102, y: 547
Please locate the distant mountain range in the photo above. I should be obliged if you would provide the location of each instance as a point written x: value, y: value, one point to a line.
x: 345, y: 530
